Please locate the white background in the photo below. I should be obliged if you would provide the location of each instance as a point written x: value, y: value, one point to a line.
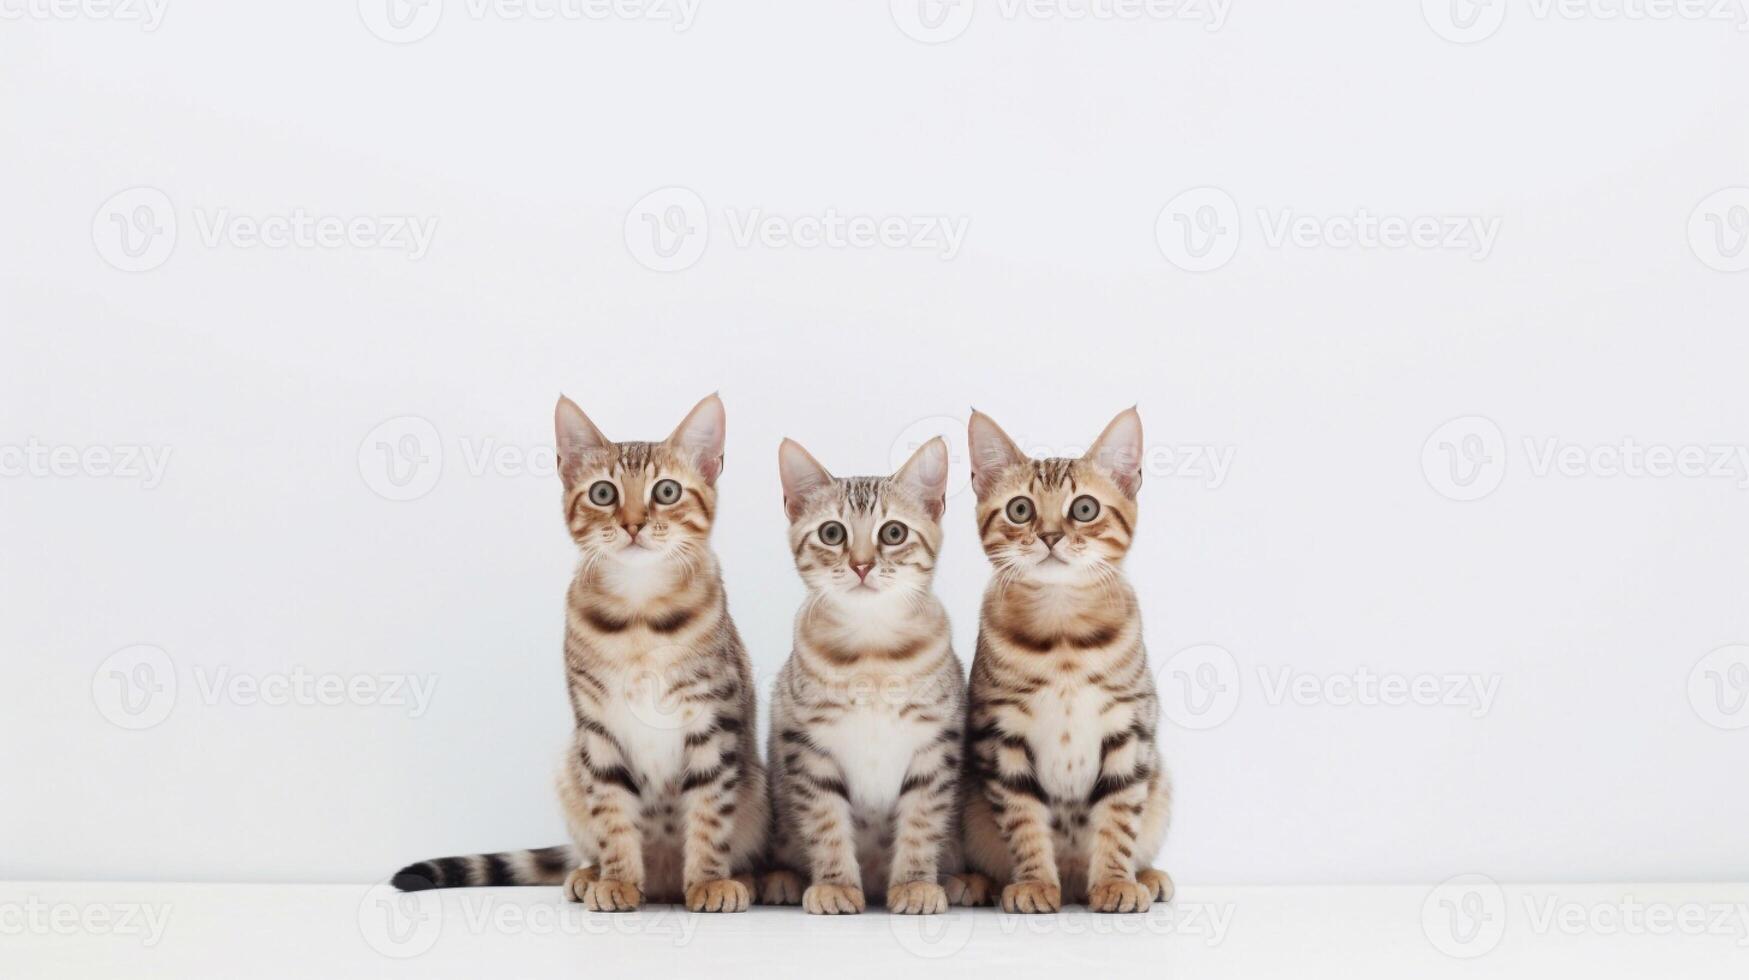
x: 1602, y: 313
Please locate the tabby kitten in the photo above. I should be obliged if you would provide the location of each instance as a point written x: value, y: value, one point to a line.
x: 867, y: 715
x: 1072, y: 797
x: 662, y: 788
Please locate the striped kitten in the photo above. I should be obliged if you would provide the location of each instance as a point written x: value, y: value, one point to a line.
x: 867, y: 715
x: 662, y: 788
x: 1074, y: 798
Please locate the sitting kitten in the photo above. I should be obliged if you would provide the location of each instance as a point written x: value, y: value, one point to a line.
x: 867, y: 715
x: 1071, y: 796
x: 662, y: 789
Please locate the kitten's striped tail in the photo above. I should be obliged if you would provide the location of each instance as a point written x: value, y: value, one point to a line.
x: 542, y: 866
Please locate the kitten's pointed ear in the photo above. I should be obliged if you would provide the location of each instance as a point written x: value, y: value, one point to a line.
x: 1118, y: 451
x: 802, y: 474
x: 992, y: 451
x: 700, y: 437
x: 577, y: 440
x: 926, y: 473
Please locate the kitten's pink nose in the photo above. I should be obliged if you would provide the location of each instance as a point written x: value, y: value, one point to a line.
x: 861, y: 569
x: 1050, y: 538
x: 633, y: 529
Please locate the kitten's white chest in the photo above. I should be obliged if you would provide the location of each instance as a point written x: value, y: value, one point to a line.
x: 874, y: 747
x: 1065, y: 738
x: 650, y: 726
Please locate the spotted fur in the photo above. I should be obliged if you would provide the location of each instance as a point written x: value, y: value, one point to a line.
x: 867, y: 730
x: 662, y: 787
x: 1072, y: 799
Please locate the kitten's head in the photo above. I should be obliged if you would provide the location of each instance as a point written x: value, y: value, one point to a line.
x: 1057, y: 520
x: 638, y: 504
x: 864, y: 536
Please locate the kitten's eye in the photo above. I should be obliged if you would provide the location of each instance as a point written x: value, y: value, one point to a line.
x: 1020, y: 510
x: 1084, y: 509
x: 893, y: 532
x: 832, y: 533
x: 666, y: 492
x: 603, y: 494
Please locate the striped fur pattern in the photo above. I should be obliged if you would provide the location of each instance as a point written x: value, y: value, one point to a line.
x: 867, y: 731
x: 662, y: 787
x: 541, y: 866
x: 1072, y: 797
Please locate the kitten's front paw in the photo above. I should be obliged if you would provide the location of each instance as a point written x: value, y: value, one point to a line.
x: 718, y: 895
x: 968, y: 888
x: 577, y: 883
x: 606, y: 895
x: 780, y: 888
x: 1031, y: 897
x: 1120, y: 896
x: 917, y: 898
x: 1159, y: 882
x: 824, y: 899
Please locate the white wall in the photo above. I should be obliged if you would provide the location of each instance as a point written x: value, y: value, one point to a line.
x: 1585, y: 602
